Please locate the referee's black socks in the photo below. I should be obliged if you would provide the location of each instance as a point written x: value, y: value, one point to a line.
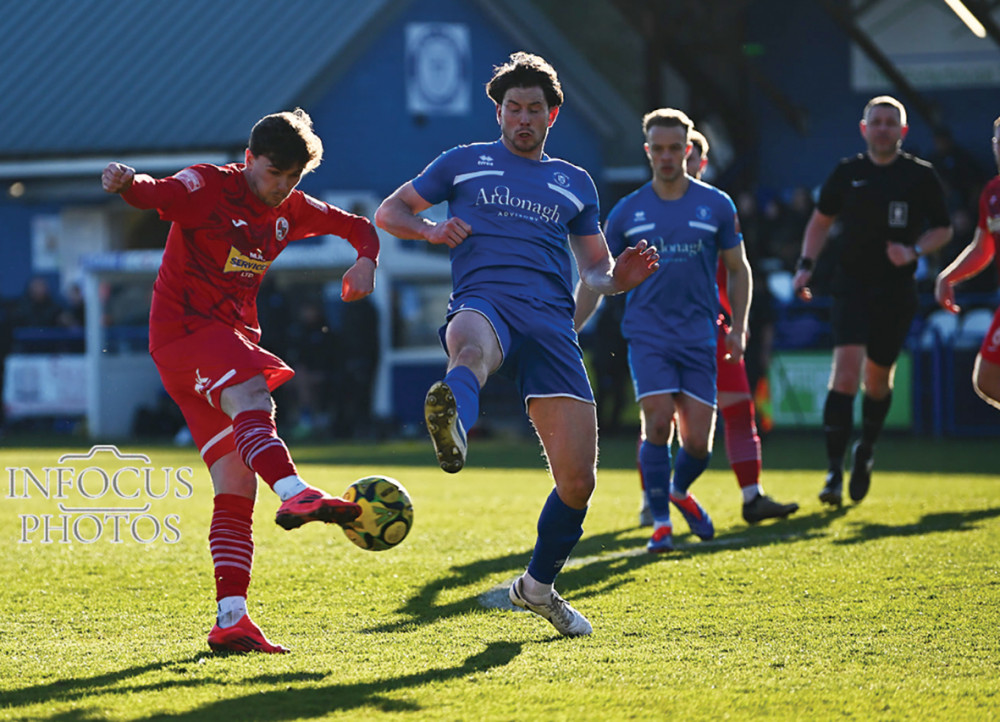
x: 873, y: 413
x: 838, y: 425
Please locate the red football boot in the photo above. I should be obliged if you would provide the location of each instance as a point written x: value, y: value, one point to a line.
x: 244, y: 636
x: 315, y: 505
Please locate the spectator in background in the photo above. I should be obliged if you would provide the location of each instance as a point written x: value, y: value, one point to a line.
x: 959, y: 171
x: 37, y: 307
x: 358, y: 350
x: 74, y: 313
x: 310, y: 348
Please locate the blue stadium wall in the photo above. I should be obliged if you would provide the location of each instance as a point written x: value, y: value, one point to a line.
x: 374, y: 143
x: 808, y: 57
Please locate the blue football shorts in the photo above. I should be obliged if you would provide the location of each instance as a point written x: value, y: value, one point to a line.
x: 670, y: 369
x: 541, y: 352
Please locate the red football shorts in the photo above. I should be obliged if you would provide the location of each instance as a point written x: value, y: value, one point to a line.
x: 990, y: 350
x: 196, y: 369
x: 729, y: 376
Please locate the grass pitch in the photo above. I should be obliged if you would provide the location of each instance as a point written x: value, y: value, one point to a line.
x: 888, y: 609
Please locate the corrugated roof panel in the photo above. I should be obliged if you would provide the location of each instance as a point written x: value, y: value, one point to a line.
x: 94, y: 76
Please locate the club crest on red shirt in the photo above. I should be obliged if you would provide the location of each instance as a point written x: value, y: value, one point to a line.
x: 281, y: 228
x: 191, y: 179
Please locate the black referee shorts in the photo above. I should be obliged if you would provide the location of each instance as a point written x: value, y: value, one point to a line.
x: 875, y: 318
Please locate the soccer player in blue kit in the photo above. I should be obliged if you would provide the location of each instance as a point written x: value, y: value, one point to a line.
x: 511, y: 209
x: 670, y: 321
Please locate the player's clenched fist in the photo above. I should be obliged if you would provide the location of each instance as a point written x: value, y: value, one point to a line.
x: 117, y: 177
x: 450, y: 233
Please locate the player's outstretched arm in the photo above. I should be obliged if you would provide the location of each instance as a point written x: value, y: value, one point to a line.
x: 117, y: 178
x: 398, y: 215
x: 973, y: 259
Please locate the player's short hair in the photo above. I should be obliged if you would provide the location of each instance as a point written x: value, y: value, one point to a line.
x: 885, y: 101
x: 288, y: 140
x: 698, y: 140
x: 668, y: 118
x: 524, y: 70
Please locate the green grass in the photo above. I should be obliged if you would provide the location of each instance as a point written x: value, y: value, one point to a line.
x: 889, y: 609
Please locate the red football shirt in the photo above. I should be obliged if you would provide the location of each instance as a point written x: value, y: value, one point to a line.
x: 989, y: 209
x: 221, y: 242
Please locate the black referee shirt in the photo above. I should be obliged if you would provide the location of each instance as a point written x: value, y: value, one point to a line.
x: 876, y: 204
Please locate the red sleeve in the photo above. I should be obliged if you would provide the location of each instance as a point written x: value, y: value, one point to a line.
x: 319, y: 218
x: 989, y: 208
x: 185, y: 198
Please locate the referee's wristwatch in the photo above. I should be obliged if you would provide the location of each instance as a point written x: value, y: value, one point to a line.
x: 804, y: 264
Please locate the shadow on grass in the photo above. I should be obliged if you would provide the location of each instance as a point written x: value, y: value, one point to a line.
x: 928, y: 524
x: 68, y: 690
x: 601, y: 563
x: 275, y: 704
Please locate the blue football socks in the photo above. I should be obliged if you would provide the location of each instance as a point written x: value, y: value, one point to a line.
x: 465, y: 387
x: 686, y: 470
x: 654, y: 465
x: 559, y: 529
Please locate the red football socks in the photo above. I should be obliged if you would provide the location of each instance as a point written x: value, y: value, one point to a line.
x: 742, y: 442
x: 261, y: 448
x: 230, y: 539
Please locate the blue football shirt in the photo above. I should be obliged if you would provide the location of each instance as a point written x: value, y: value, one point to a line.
x: 679, y: 303
x: 521, y: 212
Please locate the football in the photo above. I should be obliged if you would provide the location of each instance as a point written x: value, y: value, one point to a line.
x: 386, y: 513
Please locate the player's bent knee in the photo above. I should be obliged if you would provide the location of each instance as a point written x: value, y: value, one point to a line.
x: 577, y: 490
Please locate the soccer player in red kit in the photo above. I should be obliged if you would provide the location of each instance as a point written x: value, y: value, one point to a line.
x: 735, y: 400
x: 228, y: 224
x: 976, y: 256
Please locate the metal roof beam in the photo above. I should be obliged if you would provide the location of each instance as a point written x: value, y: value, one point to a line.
x: 982, y: 12
x: 914, y: 97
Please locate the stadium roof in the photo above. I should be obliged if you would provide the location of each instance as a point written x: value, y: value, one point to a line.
x: 95, y: 77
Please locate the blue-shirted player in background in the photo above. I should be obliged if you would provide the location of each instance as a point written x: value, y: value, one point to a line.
x: 511, y: 209
x: 670, y: 322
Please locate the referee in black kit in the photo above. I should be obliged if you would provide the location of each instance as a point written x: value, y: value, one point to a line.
x: 892, y: 210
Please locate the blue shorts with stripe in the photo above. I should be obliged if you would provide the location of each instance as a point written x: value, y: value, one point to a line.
x: 540, y: 349
x: 670, y: 369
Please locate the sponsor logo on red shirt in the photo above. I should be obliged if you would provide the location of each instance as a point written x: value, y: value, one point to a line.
x: 239, y: 263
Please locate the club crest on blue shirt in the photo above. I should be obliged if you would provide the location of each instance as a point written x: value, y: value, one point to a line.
x: 562, y: 179
x: 703, y: 213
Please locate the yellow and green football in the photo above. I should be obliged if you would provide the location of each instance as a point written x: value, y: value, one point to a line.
x: 386, y: 513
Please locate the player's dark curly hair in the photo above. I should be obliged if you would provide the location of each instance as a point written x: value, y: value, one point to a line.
x: 524, y: 70
x: 288, y: 140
